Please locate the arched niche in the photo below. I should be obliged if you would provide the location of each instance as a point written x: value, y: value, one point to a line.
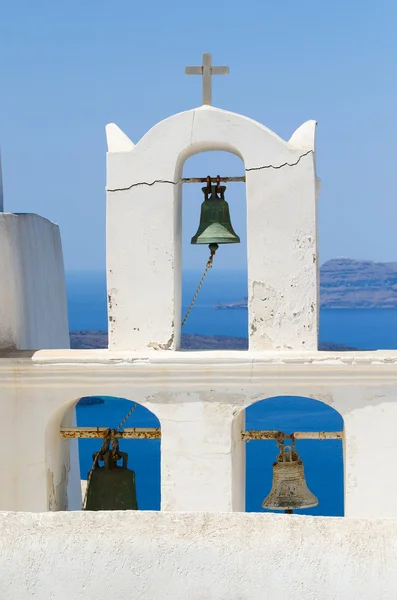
x: 144, y: 229
x: 226, y: 281
x: 323, y: 459
x: 62, y: 454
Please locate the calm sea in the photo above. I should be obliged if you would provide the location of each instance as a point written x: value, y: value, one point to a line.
x: 364, y: 329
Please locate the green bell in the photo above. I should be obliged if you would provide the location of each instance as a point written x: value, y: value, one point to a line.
x: 215, y: 226
x: 111, y: 487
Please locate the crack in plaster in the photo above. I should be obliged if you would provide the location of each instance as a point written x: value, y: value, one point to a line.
x: 167, y: 181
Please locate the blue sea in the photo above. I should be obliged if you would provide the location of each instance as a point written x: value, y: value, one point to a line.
x: 369, y: 329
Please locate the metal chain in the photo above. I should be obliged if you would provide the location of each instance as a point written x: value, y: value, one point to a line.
x: 213, y: 249
x: 126, y: 417
x: 109, y: 436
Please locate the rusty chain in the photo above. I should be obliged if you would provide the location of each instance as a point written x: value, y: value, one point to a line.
x: 110, y: 435
x: 213, y: 249
x: 126, y: 417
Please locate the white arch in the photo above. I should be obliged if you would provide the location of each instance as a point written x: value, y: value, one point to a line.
x: 324, y: 398
x: 58, y: 454
x: 144, y: 229
x: 240, y: 419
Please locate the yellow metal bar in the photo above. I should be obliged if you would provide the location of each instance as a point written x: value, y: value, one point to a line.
x: 133, y: 433
x: 154, y: 433
x: 280, y: 436
x: 318, y: 435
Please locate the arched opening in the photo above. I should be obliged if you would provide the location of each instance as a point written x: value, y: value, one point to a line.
x: 63, y: 454
x: 219, y: 317
x: 322, y: 459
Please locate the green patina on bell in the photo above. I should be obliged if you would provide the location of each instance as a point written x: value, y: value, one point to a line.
x: 215, y: 225
x: 111, y: 487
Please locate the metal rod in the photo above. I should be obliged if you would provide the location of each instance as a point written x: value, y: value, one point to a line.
x: 154, y: 433
x: 133, y: 433
x: 280, y: 436
x: 213, y: 179
x: 317, y: 435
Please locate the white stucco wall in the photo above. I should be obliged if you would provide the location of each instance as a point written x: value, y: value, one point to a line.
x: 33, y: 314
x: 156, y: 556
x: 144, y: 229
x: 33, y: 310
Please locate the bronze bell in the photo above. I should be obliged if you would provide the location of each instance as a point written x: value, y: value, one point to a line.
x: 215, y: 226
x: 111, y: 487
x: 289, y: 489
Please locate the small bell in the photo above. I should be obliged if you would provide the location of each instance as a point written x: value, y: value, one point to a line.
x: 289, y: 489
x: 111, y: 487
x: 215, y: 226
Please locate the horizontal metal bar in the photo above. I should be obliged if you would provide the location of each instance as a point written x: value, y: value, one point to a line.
x: 154, y: 433
x: 133, y: 433
x: 318, y: 435
x: 213, y: 179
x: 280, y: 436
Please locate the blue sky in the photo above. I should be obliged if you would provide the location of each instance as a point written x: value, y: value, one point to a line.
x: 69, y: 68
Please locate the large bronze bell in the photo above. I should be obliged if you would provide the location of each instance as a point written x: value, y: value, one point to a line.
x: 289, y: 489
x: 111, y: 487
x: 215, y: 226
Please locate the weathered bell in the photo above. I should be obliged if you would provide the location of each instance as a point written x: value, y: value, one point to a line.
x: 289, y: 490
x: 111, y: 487
x: 215, y: 226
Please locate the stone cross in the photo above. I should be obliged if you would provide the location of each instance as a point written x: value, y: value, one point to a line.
x: 207, y: 70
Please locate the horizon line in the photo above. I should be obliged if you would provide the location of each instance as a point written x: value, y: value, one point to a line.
x: 102, y: 271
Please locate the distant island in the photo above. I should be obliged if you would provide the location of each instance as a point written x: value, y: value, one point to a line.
x: 99, y: 339
x: 349, y: 283
x: 230, y: 305
x: 344, y: 283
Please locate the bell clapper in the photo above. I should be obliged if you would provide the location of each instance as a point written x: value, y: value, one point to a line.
x: 213, y: 248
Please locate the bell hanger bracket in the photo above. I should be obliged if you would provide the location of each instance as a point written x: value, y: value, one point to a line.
x: 216, y: 179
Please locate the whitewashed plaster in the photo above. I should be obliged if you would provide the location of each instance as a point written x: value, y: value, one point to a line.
x: 153, y: 556
x: 199, y: 399
x: 33, y: 311
x: 33, y: 314
x: 144, y: 229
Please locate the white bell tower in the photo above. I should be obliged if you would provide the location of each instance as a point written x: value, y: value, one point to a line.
x: 144, y: 196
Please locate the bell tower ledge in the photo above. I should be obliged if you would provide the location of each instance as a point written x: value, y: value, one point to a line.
x: 228, y: 367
